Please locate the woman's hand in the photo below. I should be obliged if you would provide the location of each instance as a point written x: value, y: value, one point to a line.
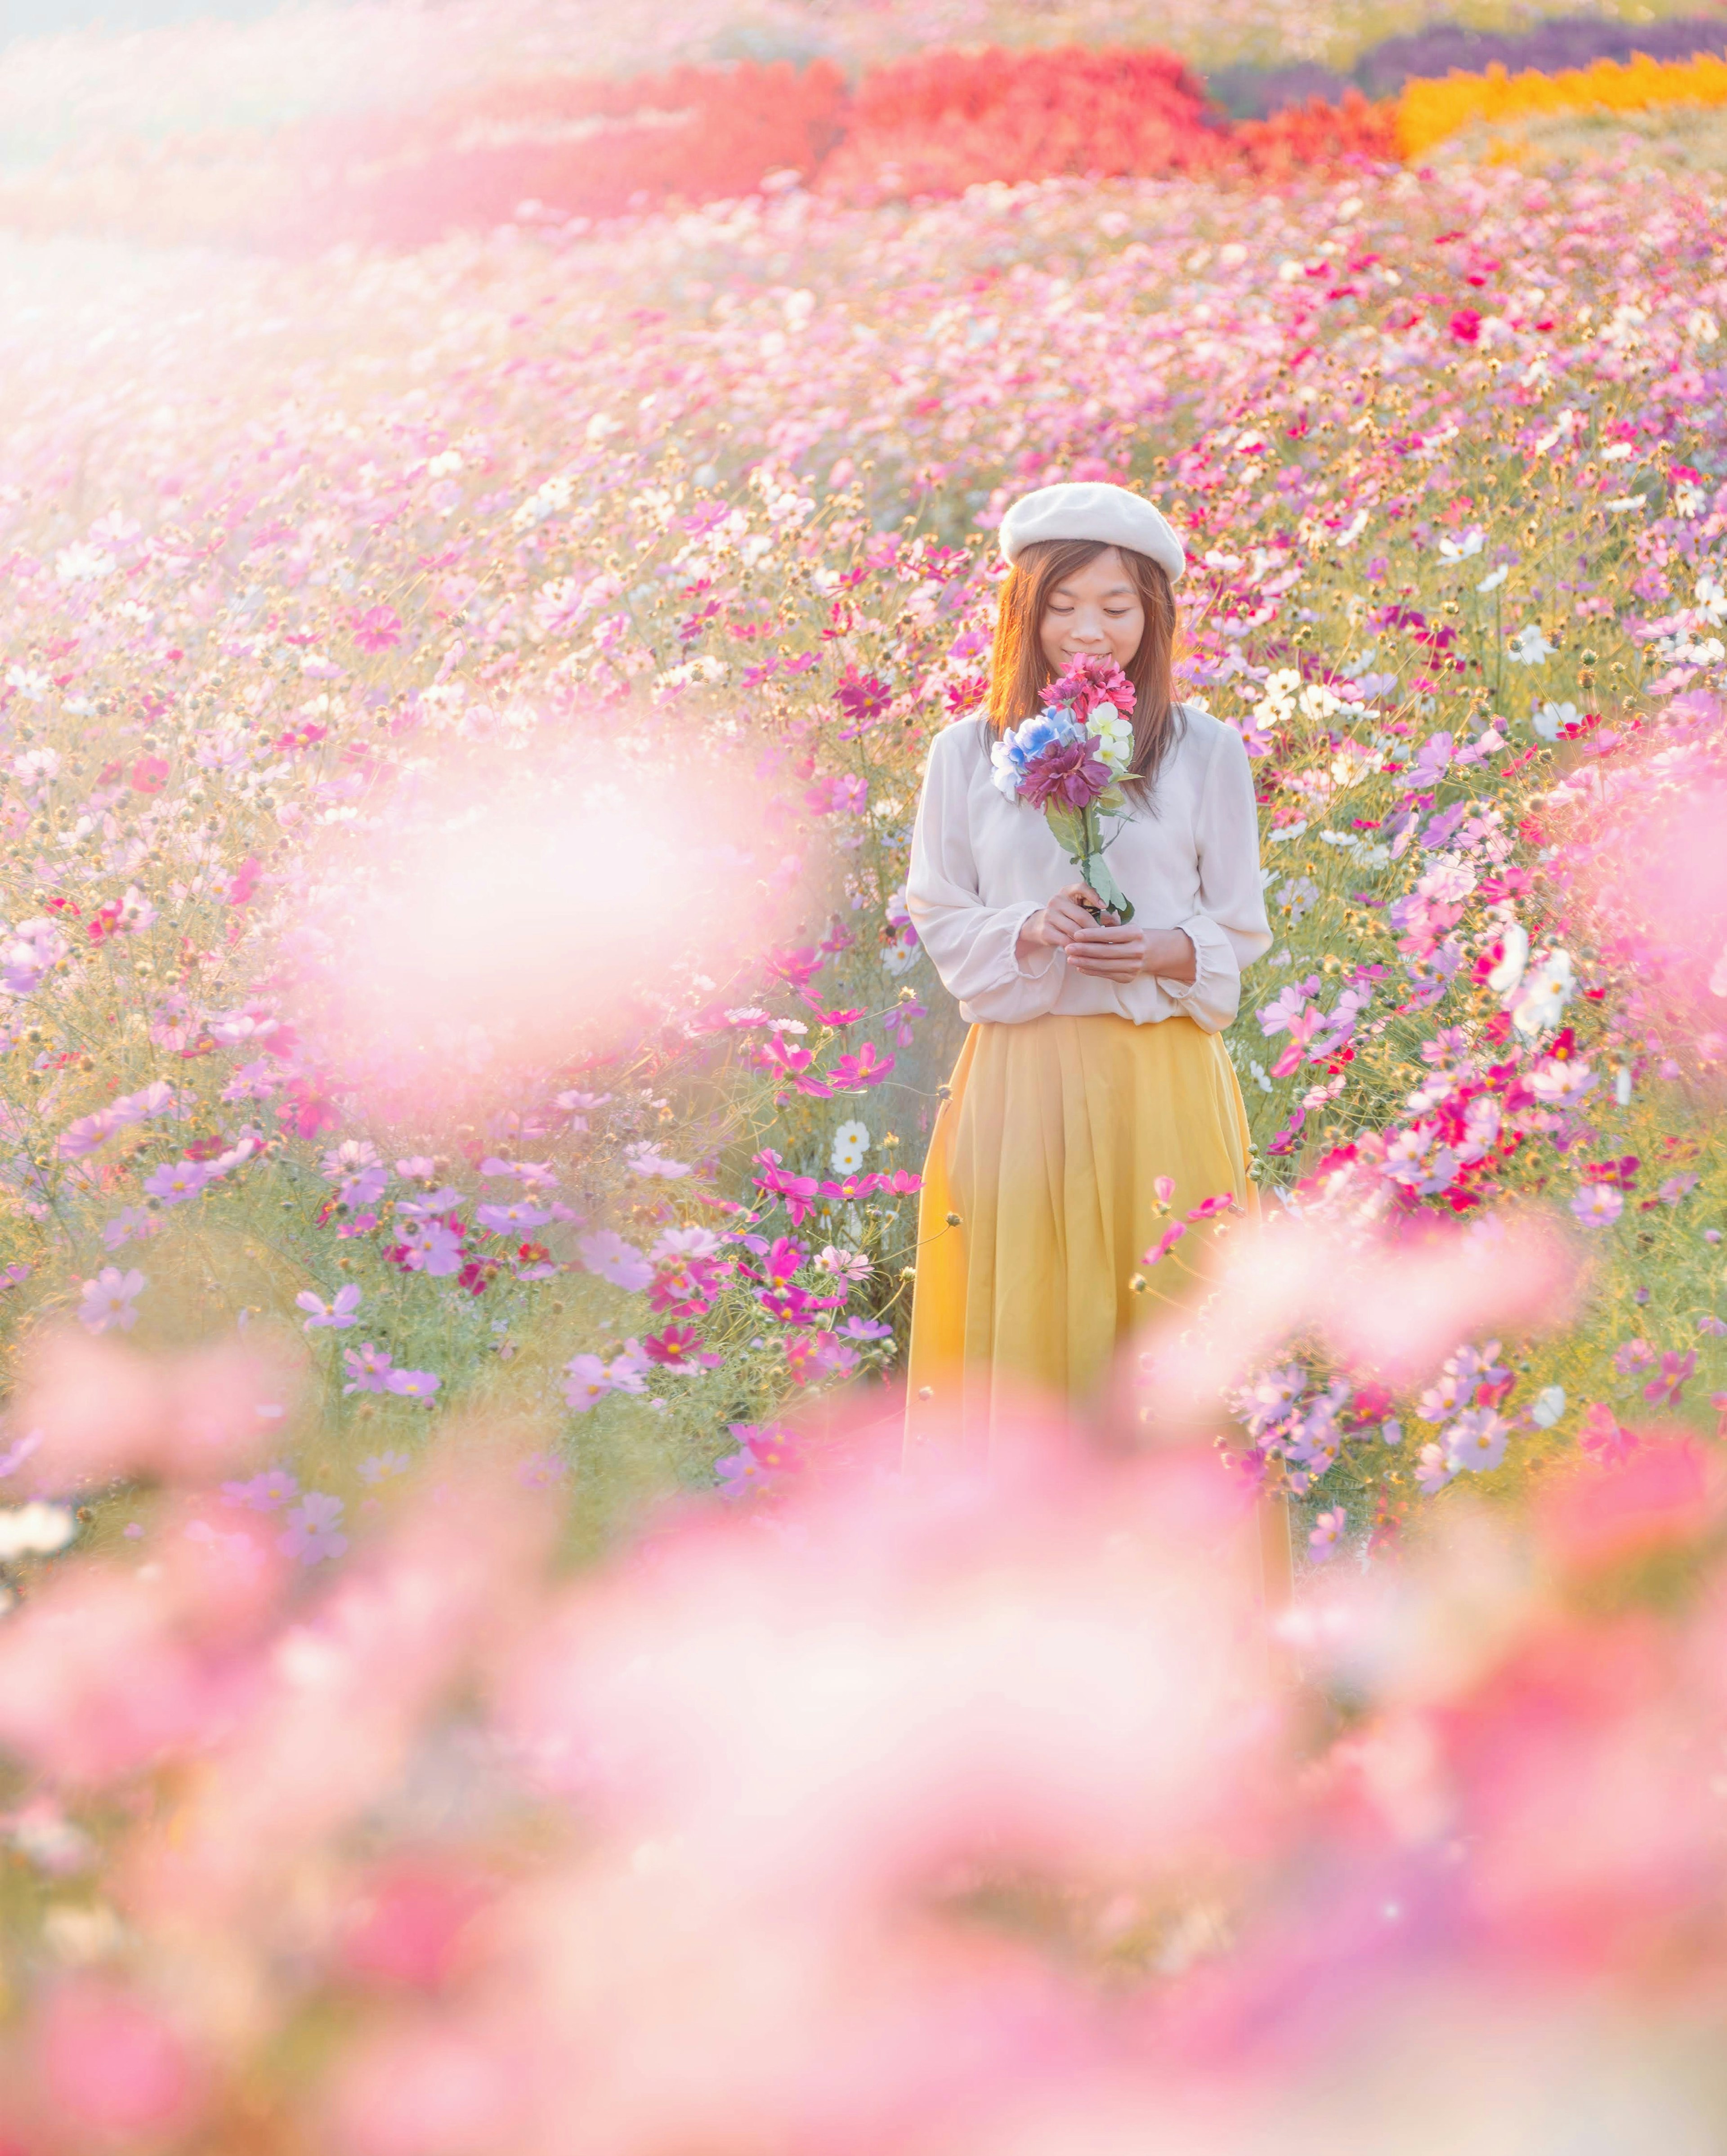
x: 1054, y: 927
x: 1106, y: 949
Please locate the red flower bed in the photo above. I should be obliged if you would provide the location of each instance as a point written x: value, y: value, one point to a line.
x: 577, y: 146
x: 945, y: 120
x: 1302, y: 137
x: 574, y: 145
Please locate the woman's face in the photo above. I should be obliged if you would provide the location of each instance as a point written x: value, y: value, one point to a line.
x: 1096, y: 612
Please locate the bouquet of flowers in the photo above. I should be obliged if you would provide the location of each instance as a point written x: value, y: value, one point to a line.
x: 1068, y: 760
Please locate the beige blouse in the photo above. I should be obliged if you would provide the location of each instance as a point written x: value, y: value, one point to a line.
x: 982, y: 865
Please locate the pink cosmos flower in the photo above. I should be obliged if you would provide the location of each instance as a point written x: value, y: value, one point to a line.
x: 1326, y: 1533
x: 678, y: 1347
x: 314, y: 1530
x: 108, y: 1300
x: 380, y: 629
x: 1675, y: 1369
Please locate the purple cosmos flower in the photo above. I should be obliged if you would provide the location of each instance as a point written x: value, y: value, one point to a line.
x: 337, y: 1316
x: 586, y: 1382
x: 614, y: 1260
x: 502, y: 1219
x: 432, y: 1247
x: 264, y: 1492
x: 108, y: 1300
x: 1326, y: 1533
x: 364, y: 1187
x: 176, y: 1181
x: 368, y: 1369
x: 412, y: 1384
x: 133, y: 1220
x: 314, y: 1530
x: 1598, y: 1205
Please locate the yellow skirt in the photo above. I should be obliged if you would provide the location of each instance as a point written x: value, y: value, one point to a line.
x: 1047, y: 1151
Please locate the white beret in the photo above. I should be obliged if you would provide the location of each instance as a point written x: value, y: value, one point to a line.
x: 1091, y: 509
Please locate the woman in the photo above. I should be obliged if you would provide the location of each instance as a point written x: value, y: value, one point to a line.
x: 1093, y: 1066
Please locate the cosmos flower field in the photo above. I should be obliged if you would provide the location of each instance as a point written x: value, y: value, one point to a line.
x: 467, y: 1068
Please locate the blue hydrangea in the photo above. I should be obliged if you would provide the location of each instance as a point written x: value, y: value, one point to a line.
x: 1015, y: 752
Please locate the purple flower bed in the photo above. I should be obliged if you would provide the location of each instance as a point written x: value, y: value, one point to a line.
x: 1566, y: 41
x: 1569, y: 41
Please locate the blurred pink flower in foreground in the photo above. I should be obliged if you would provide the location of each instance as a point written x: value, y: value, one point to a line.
x: 104, y: 1410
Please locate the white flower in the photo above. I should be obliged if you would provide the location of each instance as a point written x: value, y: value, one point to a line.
x: 1493, y: 579
x: 1547, y: 1406
x: 1626, y: 501
x: 1621, y: 1085
x: 35, y: 1530
x: 1529, y: 647
x: 80, y: 563
x: 1460, y: 550
x: 1544, y: 994
x: 1505, y: 976
x: 1551, y: 717
x: 1115, y: 735
x: 1712, y: 598
x: 851, y: 1142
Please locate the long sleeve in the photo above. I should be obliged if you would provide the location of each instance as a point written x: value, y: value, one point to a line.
x: 971, y: 946
x: 1228, y: 928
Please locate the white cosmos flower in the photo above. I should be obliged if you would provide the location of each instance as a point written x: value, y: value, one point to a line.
x: 1493, y: 579
x: 1529, y: 647
x: 851, y: 1142
x: 1506, y: 975
x: 1551, y: 717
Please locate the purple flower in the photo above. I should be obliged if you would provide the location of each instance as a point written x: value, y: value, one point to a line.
x: 864, y: 1328
x: 368, y: 1368
x: 363, y: 1189
x: 314, y: 1530
x: 586, y: 1382
x: 131, y: 1220
x: 432, y: 1247
x: 1598, y: 1205
x: 176, y: 1181
x: 275, y: 1487
x: 614, y: 1260
x: 108, y: 1300
x: 1326, y: 1533
x: 337, y: 1316
x: 412, y: 1384
x: 502, y: 1218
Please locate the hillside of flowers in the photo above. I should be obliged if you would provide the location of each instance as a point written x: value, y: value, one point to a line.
x: 318, y: 585
x: 474, y: 1676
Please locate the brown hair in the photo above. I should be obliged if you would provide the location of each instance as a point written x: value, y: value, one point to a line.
x: 1019, y: 672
